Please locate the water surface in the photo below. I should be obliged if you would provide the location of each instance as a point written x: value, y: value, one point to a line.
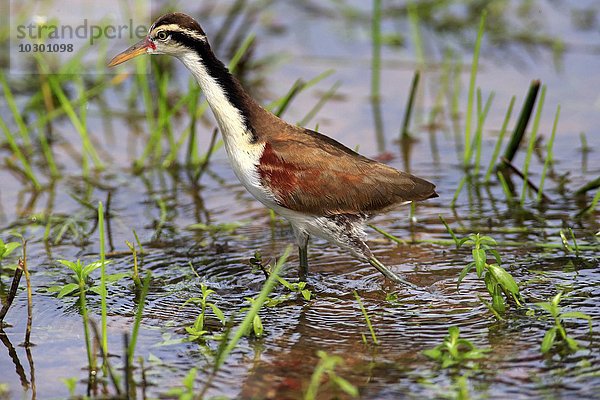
x: 161, y: 204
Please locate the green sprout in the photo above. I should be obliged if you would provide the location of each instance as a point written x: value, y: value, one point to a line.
x: 257, y: 325
x: 197, y: 331
x: 187, y: 391
x: 326, y: 366
x: 81, y: 276
x: 297, y: 287
x: 454, y: 351
x: 557, y: 334
x: 499, y: 283
x: 7, y: 248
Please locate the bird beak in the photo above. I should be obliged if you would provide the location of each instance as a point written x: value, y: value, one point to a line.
x: 140, y: 47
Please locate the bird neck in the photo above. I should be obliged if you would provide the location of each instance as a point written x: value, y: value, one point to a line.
x: 231, y: 104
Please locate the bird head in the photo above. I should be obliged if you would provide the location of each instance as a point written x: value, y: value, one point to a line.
x: 174, y: 34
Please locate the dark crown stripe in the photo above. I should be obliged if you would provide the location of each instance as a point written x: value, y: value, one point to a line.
x: 218, y: 71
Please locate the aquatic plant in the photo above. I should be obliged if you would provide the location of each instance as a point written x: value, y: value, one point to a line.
x: 367, y: 319
x: 295, y: 287
x: 499, y: 283
x: 197, y: 331
x: 138, y: 318
x: 186, y: 392
x: 326, y: 366
x: 81, y: 275
x: 257, y: 327
x: 7, y: 248
x: 557, y: 335
x: 455, y: 351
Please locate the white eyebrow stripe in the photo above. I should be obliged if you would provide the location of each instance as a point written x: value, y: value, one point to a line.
x: 177, y: 28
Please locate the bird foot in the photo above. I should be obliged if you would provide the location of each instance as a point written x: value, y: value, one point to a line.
x: 388, y: 273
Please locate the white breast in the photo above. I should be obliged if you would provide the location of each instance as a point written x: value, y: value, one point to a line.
x: 243, y: 154
x: 244, y: 158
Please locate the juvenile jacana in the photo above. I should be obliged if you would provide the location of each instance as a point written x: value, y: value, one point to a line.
x: 320, y: 186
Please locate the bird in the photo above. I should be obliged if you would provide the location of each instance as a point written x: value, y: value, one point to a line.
x: 321, y: 187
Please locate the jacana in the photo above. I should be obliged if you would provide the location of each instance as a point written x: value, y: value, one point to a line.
x: 320, y: 186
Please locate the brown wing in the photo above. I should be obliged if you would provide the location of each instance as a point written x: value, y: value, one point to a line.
x: 315, y: 174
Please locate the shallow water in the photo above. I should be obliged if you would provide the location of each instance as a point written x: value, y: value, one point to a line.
x: 279, y: 365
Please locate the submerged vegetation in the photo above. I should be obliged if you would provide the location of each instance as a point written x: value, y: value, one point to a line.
x: 134, y: 232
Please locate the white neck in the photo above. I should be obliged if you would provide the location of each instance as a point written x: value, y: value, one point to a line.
x: 244, y: 154
x: 229, y: 118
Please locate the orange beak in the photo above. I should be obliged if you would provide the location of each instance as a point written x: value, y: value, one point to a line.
x: 139, y: 48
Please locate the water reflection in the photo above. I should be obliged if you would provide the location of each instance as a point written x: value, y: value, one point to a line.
x: 160, y: 204
x: 26, y: 384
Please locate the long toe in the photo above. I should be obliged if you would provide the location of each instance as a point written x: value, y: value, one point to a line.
x: 388, y: 273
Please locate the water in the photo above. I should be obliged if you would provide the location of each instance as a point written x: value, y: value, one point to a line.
x: 161, y: 204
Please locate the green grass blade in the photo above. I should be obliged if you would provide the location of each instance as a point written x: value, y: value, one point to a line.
x: 103, y: 279
x: 367, y: 319
x: 592, y: 207
x: 86, y: 328
x: 461, y: 184
x: 376, y: 51
x: 279, y: 106
x: 143, y: 83
x: 138, y: 317
x: 19, y: 154
x: 523, y: 121
x: 415, y: 32
x: 530, y: 147
x: 450, y: 231
x: 549, y: 155
x: 253, y: 311
x: 313, y: 111
x: 47, y: 150
x: 12, y: 105
x: 471, y: 94
x: 482, y: 115
x: 76, y: 121
x: 240, y: 52
x: 87, y: 95
x: 496, y: 151
x: 409, y: 106
x: 505, y: 186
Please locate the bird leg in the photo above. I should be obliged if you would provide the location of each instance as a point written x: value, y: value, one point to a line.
x: 302, y: 240
x: 387, y: 273
x: 347, y: 231
x: 303, y: 254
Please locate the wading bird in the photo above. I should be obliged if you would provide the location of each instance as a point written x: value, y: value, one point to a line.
x: 320, y: 186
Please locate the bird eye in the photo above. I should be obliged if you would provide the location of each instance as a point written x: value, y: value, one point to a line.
x: 162, y: 35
